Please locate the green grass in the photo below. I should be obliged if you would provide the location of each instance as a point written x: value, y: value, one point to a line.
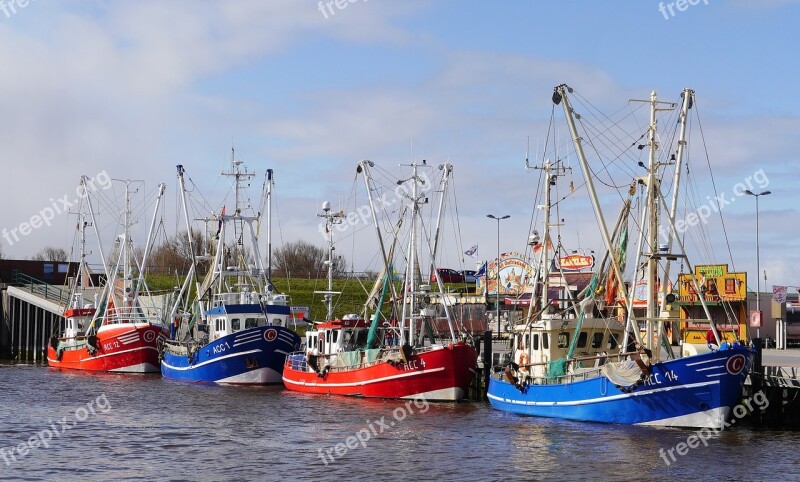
x: 301, y: 292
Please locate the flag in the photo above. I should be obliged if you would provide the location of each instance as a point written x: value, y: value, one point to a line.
x: 473, y: 251
x: 538, y: 247
x: 779, y: 293
x: 481, y: 272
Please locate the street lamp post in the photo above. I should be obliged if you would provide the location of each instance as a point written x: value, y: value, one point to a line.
x: 497, y: 269
x: 758, y: 260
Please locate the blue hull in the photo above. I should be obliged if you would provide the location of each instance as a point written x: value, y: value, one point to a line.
x: 695, y: 391
x: 254, y: 356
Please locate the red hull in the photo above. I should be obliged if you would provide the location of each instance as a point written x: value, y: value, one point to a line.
x: 439, y: 374
x: 123, y: 347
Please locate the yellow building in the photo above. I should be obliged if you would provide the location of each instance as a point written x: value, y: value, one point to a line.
x: 726, y: 296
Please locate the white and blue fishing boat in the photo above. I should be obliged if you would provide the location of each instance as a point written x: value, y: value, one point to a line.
x: 236, y: 331
x: 583, y: 354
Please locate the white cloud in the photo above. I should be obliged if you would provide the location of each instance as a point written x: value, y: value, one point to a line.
x: 117, y: 88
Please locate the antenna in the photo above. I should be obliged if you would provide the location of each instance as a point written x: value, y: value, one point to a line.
x: 527, y: 151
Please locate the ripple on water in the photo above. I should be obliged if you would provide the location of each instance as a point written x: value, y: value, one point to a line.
x: 157, y: 429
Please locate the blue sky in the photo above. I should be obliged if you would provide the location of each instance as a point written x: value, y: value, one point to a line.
x: 134, y: 88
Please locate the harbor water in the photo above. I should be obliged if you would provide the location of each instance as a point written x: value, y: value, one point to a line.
x: 78, y: 426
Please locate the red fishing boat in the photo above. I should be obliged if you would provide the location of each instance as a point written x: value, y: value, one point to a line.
x: 122, y: 335
x: 121, y: 343
x: 434, y: 372
x: 400, y: 357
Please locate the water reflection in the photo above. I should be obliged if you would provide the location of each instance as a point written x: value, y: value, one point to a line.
x: 164, y: 429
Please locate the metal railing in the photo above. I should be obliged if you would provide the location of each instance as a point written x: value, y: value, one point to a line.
x: 49, y: 292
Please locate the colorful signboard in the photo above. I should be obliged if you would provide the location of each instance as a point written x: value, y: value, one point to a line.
x: 575, y: 262
x: 640, y: 293
x: 716, y: 284
x: 516, y: 276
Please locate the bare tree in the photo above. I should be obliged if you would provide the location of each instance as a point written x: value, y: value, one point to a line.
x: 2, y: 255
x: 174, y: 253
x: 50, y: 254
x: 300, y: 258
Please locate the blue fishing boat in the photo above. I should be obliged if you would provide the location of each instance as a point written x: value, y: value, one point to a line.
x: 588, y: 352
x: 237, y: 330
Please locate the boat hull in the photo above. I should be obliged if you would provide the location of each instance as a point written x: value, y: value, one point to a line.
x: 696, y: 391
x: 122, y: 347
x: 443, y: 373
x: 249, y: 357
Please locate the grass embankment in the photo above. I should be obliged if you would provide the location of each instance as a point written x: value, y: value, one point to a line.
x: 301, y: 292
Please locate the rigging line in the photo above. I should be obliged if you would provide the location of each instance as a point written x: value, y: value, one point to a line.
x: 713, y: 183
x: 614, y: 124
x: 354, y: 197
x: 535, y: 212
x: 605, y: 167
x: 459, y: 238
x: 701, y: 233
x: 283, y: 244
x: 612, y: 141
x: 626, y: 106
x: 611, y: 144
x: 664, y: 172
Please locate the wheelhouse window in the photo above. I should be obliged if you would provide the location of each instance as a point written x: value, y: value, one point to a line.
x: 251, y: 322
x: 235, y: 324
x: 563, y: 339
x: 597, y: 340
x: 535, y: 341
x: 582, y: 338
x: 612, y: 342
x: 545, y: 341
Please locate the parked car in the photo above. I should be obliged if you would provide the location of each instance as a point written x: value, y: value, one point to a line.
x: 447, y: 275
x: 469, y: 276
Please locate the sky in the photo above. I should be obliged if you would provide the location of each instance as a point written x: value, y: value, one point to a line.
x: 127, y: 90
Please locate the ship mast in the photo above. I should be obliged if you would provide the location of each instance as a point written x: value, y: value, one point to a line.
x: 270, y: 182
x: 652, y: 208
x: 128, y: 246
x: 653, y: 186
x: 560, y: 95
x: 688, y: 101
x: 240, y: 177
x: 412, y: 268
x: 448, y: 170
x: 363, y: 168
x: 331, y: 219
x: 82, y: 267
x: 545, y: 242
